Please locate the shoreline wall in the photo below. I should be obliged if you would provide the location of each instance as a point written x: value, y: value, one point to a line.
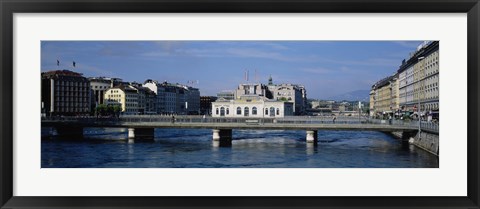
x: 425, y: 140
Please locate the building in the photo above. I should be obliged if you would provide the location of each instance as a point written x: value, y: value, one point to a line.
x: 296, y: 94
x: 146, y: 100
x: 419, y: 80
x: 174, y: 98
x: 414, y: 89
x: 150, y: 102
x: 192, y: 100
x: 394, y: 95
x: 125, y: 96
x: 373, y: 95
x: 251, y: 100
x: 206, y: 104
x: 383, y: 102
x: 253, y: 106
x: 65, y: 92
x: 98, y: 86
x: 159, y: 91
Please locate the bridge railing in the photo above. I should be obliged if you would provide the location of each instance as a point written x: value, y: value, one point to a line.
x: 429, y: 126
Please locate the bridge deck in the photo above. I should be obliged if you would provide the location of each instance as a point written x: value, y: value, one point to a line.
x: 264, y: 126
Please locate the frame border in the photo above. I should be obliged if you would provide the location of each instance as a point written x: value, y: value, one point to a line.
x: 9, y: 7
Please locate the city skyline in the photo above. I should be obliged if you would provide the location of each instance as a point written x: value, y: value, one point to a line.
x: 325, y: 68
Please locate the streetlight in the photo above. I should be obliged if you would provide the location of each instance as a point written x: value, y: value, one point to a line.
x: 418, y: 109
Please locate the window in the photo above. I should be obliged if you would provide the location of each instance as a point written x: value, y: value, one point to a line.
x: 216, y: 111
x: 278, y: 111
x: 254, y: 110
x: 246, y: 111
x: 228, y: 111
x: 239, y: 111
x: 272, y: 111
x: 222, y: 111
x: 266, y: 111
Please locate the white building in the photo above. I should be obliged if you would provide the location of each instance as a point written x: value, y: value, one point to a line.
x: 251, y: 106
x: 159, y: 91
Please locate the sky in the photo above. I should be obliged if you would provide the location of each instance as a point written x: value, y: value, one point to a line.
x: 325, y: 68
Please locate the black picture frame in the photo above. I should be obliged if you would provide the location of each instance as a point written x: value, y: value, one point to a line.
x: 10, y: 7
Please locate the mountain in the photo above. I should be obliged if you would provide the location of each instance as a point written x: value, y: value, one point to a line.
x: 358, y: 95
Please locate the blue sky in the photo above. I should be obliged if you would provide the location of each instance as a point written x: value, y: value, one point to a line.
x: 325, y: 68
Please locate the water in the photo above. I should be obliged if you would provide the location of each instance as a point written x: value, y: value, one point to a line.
x: 194, y: 148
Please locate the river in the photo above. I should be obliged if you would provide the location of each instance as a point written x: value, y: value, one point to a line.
x: 194, y: 148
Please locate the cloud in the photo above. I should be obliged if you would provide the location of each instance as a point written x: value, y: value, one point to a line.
x: 319, y: 70
x: 408, y: 44
x: 94, y: 70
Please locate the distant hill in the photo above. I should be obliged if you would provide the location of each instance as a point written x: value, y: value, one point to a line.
x: 358, y: 95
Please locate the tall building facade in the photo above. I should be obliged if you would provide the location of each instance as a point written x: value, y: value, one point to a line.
x: 159, y: 91
x: 174, y: 98
x: 192, y: 100
x: 414, y: 89
x: 421, y: 80
x: 65, y: 92
x: 384, y: 97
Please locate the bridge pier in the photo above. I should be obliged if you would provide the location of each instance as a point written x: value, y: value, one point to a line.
x: 141, y: 133
x: 312, y: 136
x: 224, y: 136
x: 72, y: 132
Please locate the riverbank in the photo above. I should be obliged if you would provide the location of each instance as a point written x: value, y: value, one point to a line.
x: 425, y: 140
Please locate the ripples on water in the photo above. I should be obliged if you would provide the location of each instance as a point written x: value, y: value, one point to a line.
x: 193, y: 148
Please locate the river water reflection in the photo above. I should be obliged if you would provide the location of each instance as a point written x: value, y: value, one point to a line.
x: 194, y: 148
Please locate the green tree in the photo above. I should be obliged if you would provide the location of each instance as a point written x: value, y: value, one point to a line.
x: 117, y: 109
x: 101, y: 110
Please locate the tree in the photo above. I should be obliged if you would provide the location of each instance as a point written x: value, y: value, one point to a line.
x: 116, y: 110
x: 101, y: 110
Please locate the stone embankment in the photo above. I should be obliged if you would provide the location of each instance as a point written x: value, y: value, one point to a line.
x: 424, y: 140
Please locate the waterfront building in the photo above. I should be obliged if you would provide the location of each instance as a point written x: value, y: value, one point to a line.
x: 150, y: 101
x: 98, y: 86
x: 192, y: 100
x: 251, y: 100
x: 146, y: 99
x: 125, y: 96
x: 174, y: 98
x: 65, y: 92
x: 170, y: 99
x: 373, y: 94
x: 419, y: 78
x: 414, y: 88
x: 206, y: 104
x: 294, y: 93
x: 253, y: 106
x: 159, y: 91
x: 383, y: 99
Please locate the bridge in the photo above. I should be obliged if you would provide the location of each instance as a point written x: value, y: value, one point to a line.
x: 143, y: 126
